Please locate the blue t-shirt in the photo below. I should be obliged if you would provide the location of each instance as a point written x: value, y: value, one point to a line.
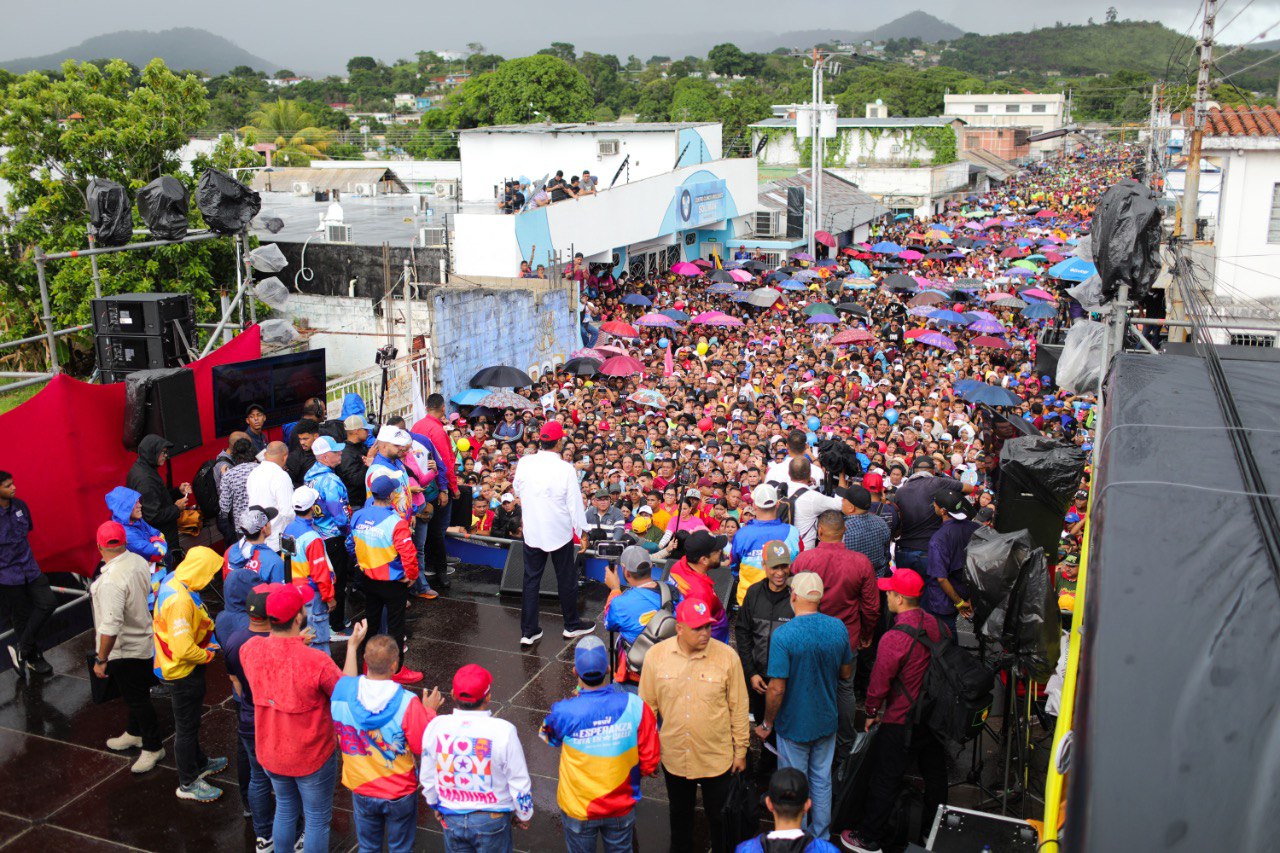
x: 808, y: 652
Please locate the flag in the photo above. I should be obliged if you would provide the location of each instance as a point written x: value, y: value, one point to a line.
x: 668, y: 363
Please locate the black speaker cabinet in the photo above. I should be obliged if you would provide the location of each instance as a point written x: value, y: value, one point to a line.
x: 1020, y: 510
x: 129, y: 353
x: 143, y: 314
x: 163, y: 402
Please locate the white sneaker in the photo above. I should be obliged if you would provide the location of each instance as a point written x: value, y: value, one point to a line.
x: 123, y: 742
x: 264, y: 845
x: 147, y: 760
x: 300, y: 843
x: 529, y: 641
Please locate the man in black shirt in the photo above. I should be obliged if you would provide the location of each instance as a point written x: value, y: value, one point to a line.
x: 919, y: 519
x: 558, y: 188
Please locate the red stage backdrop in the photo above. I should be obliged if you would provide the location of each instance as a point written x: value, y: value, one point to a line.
x: 63, y: 447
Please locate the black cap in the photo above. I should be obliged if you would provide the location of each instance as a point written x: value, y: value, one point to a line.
x: 788, y: 787
x: 923, y: 463
x: 256, y: 601
x: 953, y: 501
x: 701, y: 543
x: 269, y: 511
x: 856, y: 495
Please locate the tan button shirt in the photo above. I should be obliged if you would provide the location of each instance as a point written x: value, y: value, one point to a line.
x: 701, y: 703
x: 120, y: 607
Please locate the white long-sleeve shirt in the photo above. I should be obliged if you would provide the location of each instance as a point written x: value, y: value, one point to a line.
x: 269, y: 485
x: 550, y: 499
x: 473, y: 762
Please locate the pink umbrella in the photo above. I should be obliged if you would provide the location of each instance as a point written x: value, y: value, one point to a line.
x: 922, y: 281
x: 1037, y: 293
x: 989, y: 342
x: 910, y: 255
x: 704, y: 263
x: 685, y: 268
x: 619, y: 329
x: 610, y: 349
x: 716, y: 318
x: 740, y: 276
x: 622, y: 365
x: 824, y: 238
x: 658, y: 320
x: 852, y: 336
x: 588, y: 352
x: 997, y: 296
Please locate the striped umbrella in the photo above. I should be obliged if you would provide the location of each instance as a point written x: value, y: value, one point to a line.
x: 505, y: 399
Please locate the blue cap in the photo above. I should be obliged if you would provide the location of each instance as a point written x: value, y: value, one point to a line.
x: 383, y: 488
x: 591, y: 660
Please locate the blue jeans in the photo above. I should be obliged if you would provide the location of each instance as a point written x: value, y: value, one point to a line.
x: 814, y: 760
x: 580, y: 835
x: 312, y: 797
x: 262, y: 803
x: 318, y: 621
x: 392, y: 820
x: 477, y: 832
x: 420, y: 530
x: 910, y: 558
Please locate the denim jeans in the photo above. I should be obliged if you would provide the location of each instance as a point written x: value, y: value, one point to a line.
x: 187, y: 697
x: 580, y: 835
x: 814, y: 760
x: 477, y: 832
x: 262, y: 802
x: 312, y: 797
x: 394, y: 821
x: 420, y: 530
x: 318, y: 621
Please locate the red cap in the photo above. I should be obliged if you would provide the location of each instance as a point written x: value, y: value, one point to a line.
x: 904, y: 582
x: 873, y: 482
x: 693, y: 613
x: 472, y: 682
x: 552, y: 431
x: 110, y: 534
x: 285, y: 600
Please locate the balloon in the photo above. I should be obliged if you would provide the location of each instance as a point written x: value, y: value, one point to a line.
x: 714, y: 340
x: 891, y: 415
x: 588, y: 384
x: 705, y: 424
x: 464, y: 445
x: 663, y: 343
x: 811, y: 437
x: 702, y: 348
x: 814, y: 423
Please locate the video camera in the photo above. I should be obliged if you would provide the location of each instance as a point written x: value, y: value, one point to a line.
x: 385, y: 355
x: 610, y: 549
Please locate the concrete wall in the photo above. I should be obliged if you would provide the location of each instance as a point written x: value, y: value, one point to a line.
x: 1245, y: 260
x: 333, y: 266
x: 923, y: 188
x: 350, y: 331
x: 1000, y: 141
x: 850, y: 146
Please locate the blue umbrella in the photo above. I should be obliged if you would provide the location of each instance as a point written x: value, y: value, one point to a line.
x: 961, y: 384
x: 859, y: 269
x: 940, y: 226
x: 720, y: 288
x: 806, y: 275
x: 886, y: 247
x: 792, y: 284
x: 637, y: 299
x: 776, y: 275
x: 902, y: 216
x: 946, y: 316
x: 1040, y: 311
x: 1072, y: 269
x: 825, y: 262
x: 678, y: 316
x: 991, y: 395
x: 469, y: 397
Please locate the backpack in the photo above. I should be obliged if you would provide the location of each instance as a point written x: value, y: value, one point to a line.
x: 956, y: 694
x: 205, y: 489
x: 661, y: 626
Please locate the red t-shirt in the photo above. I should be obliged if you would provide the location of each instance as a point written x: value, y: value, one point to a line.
x: 291, y: 685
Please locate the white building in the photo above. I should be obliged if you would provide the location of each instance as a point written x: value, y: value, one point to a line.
x: 921, y: 191
x: 891, y: 141
x: 1035, y: 112
x: 429, y: 177
x: 493, y: 155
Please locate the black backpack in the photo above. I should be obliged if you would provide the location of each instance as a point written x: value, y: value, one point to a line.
x: 956, y: 695
x: 206, y: 490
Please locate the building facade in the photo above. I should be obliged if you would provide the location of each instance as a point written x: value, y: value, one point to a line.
x: 1031, y: 112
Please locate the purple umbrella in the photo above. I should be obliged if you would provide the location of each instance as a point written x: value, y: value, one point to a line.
x: 821, y: 319
x: 802, y: 256
x: 986, y: 326
x: 937, y: 339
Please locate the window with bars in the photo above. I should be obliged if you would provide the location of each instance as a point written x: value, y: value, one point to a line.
x: 1273, y: 224
x: 1251, y: 339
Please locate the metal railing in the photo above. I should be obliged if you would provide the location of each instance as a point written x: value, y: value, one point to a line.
x: 402, y: 375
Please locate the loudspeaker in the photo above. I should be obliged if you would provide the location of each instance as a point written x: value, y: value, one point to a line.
x: 1019, y: 510
x: 129, y: 353
x: 795, y: 212
x: 512, y: 582
x: 143, y: 314
x: 162, y: 402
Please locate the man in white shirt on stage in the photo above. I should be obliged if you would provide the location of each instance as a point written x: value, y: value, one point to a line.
x: 551, y: 502
x: 269, y: 485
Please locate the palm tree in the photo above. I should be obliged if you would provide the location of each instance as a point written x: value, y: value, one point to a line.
x: 293, y: 129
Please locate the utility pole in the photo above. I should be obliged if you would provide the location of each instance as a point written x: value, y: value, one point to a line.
x: 815, y: 146
x: 1152, y: 163
x: 1191, y: 191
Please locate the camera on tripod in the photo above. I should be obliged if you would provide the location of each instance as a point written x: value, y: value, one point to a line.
x: 384, y: 356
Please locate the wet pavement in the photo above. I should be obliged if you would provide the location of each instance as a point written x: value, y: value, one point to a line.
x: 61, y: 788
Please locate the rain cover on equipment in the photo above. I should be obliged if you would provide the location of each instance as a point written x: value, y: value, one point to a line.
x: 1126, y: 239
x: 165, y: 206
x: 109, y: 213
x: 226, y: 204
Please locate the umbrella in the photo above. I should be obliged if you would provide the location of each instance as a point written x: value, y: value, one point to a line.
x: 622, y: 365
x: 678, y: 316
x: 1040, y: 311
x: 1072, y: 269
x: 637, y: 299
x: 1011, y: 252
x: 722, y: 288
x: 793, y: 284
x: 806, y: 275
x: 912, y: 334
x: 1021, y: 272
x: 802, y: 256
x: 898, y: 281
x: 886, y: 247
x: 762, y: 297
x: 581, y: 367
x: 684, y: 268
x: 755, y: 266
x: 740, y: 276
x: 955, y: 318
x: 901, y: 216
x: 1045, y: 214
x: 588, y: 352
x: 704, y: 263
x: 853, y: 308
x: 821, y: 319
x: 657, y: 320
x: 920, y: 310
x: 928, y: 297
x: 852, y: 336
x: 1026, y: 265
x: 825, y: 263
x: 937, y: 339
x: 1010, y: 302
x: 989, y: 342
x: 505, y: 399
x: 716, y: 318
x: 819, y: 308
x: 720, y: 275
x: 469, y: 397
x: 619, y: 329
x: 859, y: 269
x: 500, y: 376
x: 648, y: 397
x: 986, y: 327
x: 990, y: 395
x: 1036, y: 257
x: 986, y: 315
x: 824, y: 238
x: 997, y: 296
x: 909, y: 255
x: 1037, y: 293
x: 609, y: 350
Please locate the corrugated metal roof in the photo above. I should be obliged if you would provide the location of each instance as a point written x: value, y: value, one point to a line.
x: 892, y: 121
x: 323, y: 180
x: 590, y: 127
x: 997, y: 167
x: 844, y: 206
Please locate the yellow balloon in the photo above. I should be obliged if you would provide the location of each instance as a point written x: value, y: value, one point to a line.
x: 702, y: 348
x: 464, y: 445
x: 588, y: 384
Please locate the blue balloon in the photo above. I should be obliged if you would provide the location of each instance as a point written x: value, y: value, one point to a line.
x: 891, y: 415
x: 663, y: 343
x: 714, y: 341
x: 812, y: 438
x: 814, y: 423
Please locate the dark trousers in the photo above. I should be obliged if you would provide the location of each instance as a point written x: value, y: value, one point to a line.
x: 434, y: 550
x: 336, y: 549
x: 226, y: 528
x: 187, y: 695
x: 910, y: 558
x: 135, y: 678
x: 890, y: 755
x: 29, y: 606
x: 682, y: 794
x: 385, y: 599
x: 535, y: 563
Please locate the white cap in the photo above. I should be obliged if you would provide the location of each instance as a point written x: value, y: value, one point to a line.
x: 764, y: 496
x: 304, y: 498
x: 508, y: 497
x: 324, y: 444
x: 394, y: 435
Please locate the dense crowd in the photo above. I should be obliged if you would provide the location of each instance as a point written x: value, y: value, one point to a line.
x: 809, y: 429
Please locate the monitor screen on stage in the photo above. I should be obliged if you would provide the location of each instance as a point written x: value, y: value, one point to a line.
x: 281, y: 384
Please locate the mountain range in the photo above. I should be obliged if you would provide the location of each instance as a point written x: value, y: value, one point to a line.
x: 183, y: 48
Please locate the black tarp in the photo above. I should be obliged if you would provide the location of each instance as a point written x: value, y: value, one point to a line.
x: 164, y: 205
x: 1177, y: 722
x: 227, y: 205
x: 1126, y: 239
x: 110, y: 215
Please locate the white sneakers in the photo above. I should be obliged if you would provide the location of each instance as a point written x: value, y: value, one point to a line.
x: 147, y: 760
x: 123, y: 742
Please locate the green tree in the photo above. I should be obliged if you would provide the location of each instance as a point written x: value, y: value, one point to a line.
x: 285, y: 74
x: 532, y: 88
x: 478, y: 63
x: 361, y: 63
x: 433, y: 140
x: 694, y: 100
x: 602, y: 75
x: 292, y: 127
x: 561, y: 50
x: 728, y: 60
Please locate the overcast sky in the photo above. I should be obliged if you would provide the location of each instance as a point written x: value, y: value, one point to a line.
x: 320, y: 35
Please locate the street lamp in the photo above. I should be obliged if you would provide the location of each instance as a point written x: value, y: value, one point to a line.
x: 821, y: 124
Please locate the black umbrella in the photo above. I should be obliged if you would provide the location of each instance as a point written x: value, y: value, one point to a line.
x: 887, y: 265
x: 963, y: 242
x: 898, y: 281
x: 853, y: 308
x: 580, y: 367
x: 501, y: 376
x: 720, y: 275
x: 936, y: 256
x: 834, y: 286
x: 755, y: 266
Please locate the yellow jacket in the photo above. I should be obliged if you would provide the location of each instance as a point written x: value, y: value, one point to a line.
x: 183, y: 626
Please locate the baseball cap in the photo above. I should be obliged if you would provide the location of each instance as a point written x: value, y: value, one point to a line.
x: 633, y: 556
x: 551, y: 431
x: 701, y: 543
x: 382, y: 487
x: 285, y: 600
x: 601, y: 493
x: 923, y: 463
x: 953, y: 501
x: 873, y: 482
x: 508, y: 498
x: 591, y: 660
x: 788, y: 787
x: 354, y: 422
x: 256, y: 601
x: 807, y: 586
x: 471, y: 683
x: 693, y: 613
x: 856, y: 495
x: 395, y: 435
x: 775, y: 553
x: 324, y: 444
x: 304, y: 498
x: 111, y: 534
x: 904, y: 582
x: 255, y: 518
x: 764, y: 496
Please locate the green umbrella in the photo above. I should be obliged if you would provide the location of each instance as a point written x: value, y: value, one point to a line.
x: 1026, y: 265
x: 819, y: 308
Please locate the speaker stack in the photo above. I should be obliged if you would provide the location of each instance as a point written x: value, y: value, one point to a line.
x: 162, y: 402
x: 142, y: 331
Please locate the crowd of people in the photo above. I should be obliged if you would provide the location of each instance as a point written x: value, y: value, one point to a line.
x: 520, y: 194
x: 838, y: 477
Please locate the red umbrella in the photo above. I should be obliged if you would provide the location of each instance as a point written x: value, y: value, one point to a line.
x: 824, y: 238
x: 619, y: 329
x: 622, y: 365
x: 852, y: 336
x: 704, y: 263
x: 915, y: 333
x: 849, y: 251
x: 990, y: 342
x: 1012, y: 252
x: 610, y: 349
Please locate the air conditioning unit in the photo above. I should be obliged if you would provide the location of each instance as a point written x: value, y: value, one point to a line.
x: 366, y: 189
x: 445, y: 189
x: 301, y: 188
x: 432, y: 236
x: 767, y: 223
x: 607, y: 147
x: 337, y: 232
